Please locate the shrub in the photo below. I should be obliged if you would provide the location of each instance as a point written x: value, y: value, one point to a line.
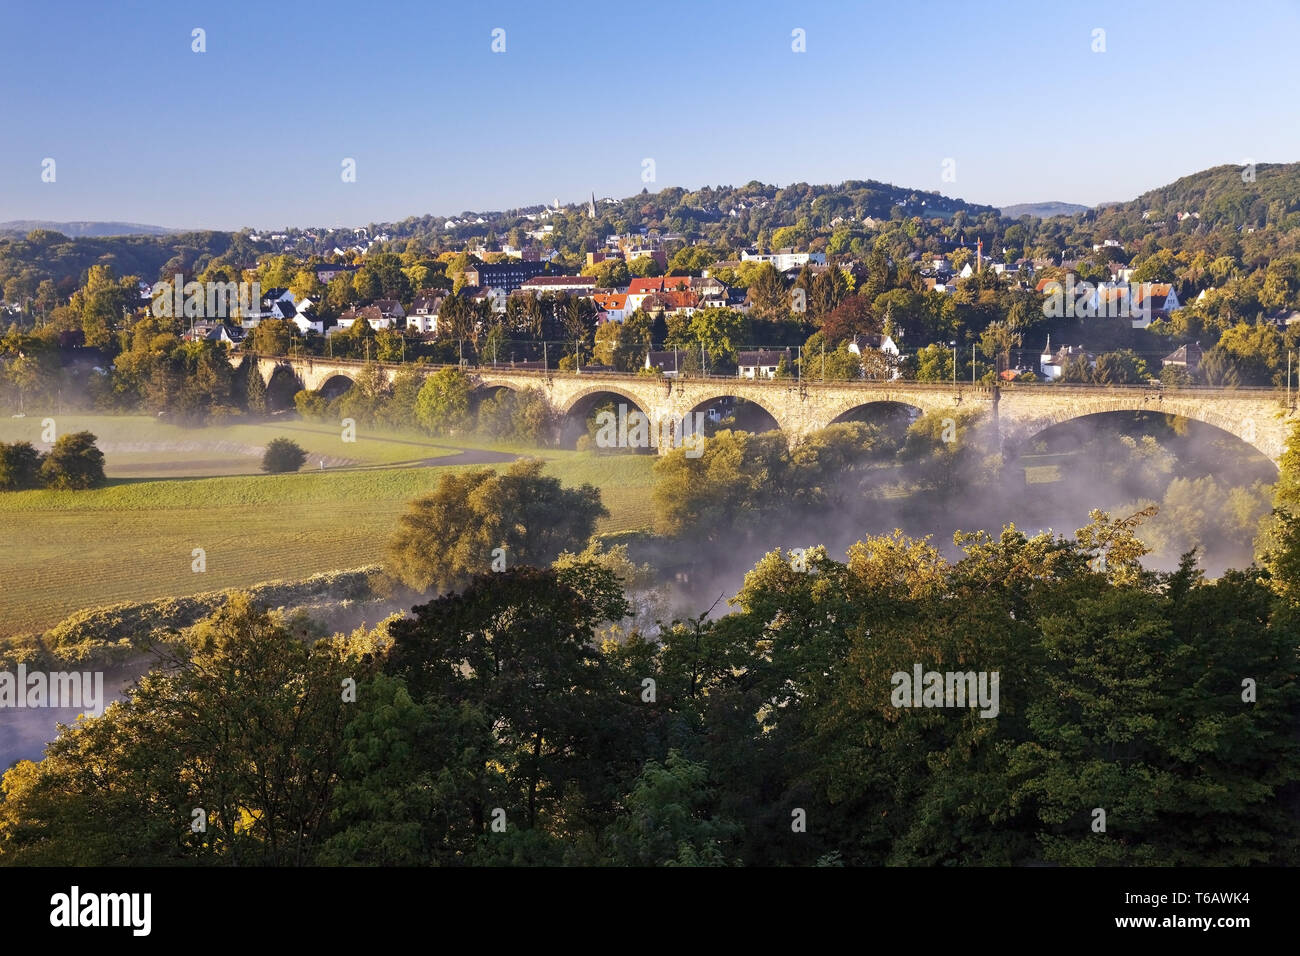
x: 310, y: 405
x: 20, y: 466
x: 282, y: 454
x: 74, y: 463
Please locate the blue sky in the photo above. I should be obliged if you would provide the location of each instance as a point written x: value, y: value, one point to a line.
x: 253, y: 132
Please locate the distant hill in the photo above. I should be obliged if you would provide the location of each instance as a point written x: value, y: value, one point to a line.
x: 735, y: 215
x: 82, y: 230
x: 1042, y: 210
x: 1220, y: 196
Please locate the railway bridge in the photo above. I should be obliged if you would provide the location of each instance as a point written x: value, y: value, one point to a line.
x: 1261, y: 417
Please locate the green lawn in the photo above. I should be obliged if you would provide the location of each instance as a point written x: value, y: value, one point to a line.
x: 138, y: 446
x: 63, y: 551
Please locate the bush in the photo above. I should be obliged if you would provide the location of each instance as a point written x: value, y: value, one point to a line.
x: 74, y: 463
x: 282, y: 455
x: 310, y: 405
x: 223, y: 415
x: 535, y: 421
x: 20, y: 466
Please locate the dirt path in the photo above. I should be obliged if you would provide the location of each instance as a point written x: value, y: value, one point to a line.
x: 473, y: 456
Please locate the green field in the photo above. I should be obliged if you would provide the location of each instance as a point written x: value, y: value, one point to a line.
x: 137, y: 446
x: 63, y: 551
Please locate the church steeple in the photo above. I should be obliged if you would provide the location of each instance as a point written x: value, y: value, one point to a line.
x: 591, y: 210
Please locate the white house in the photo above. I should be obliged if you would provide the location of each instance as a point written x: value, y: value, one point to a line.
x: 307, y: 322
x: 785, y: 259
x: 612, y: 305
x: 762, y: 363
x: 423, y: 316
x: 883, y: 344
x: 667, y: 363
x: 582, y: 286
x: 370, y: 314
x: 1053, y: 364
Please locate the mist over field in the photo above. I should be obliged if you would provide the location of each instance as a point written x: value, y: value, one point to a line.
x: 1211, y: 492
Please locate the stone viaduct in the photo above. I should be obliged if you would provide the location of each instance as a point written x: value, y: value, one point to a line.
x: 1261, y: 417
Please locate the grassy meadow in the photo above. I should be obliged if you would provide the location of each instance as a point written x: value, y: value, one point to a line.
x: 175, y: 489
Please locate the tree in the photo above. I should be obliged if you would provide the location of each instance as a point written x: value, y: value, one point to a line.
x: 721, y: 331
x: 518, y: 645
x: 273, y: 337
x: 645, y: 267
x: 281, y: 455
x: 767, y: 291
x: 456, y: 319
x: 851, y: 317
x: 1258, y: 351
x: 477, y: 518
x: 340, y: 294
x: 673, y: 818
x: 1076, y: 370
x: 996, y: 342
x: 1124, y: 367
x: 1219, y: 367
x: 20, y: 466
x: 442, y: 406
x: 725, y: 491
x: 576, y: 315
x: 306, y: 285
x: 246, y: 722
x: 366, y: 285
x: 402, y: 799
x: 609, y: 273
x: 952, y: 452
x: 255, y: 394
x: 934, y: 363
x: 74, y: 463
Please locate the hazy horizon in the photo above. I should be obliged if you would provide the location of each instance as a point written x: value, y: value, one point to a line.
x: 576, y: 200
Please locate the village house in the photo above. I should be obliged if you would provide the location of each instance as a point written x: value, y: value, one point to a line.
x: 1160, y: 298
x: 1052, y: 364
x: 325, y: 274
x: 668, y: 363
x: 390, y: 309
x: 371, y: 314
x: 762, y: 363
x: 493, y: 298
x: 784, y: 259
x: 215, y: 332
x: 306, y: 321
x: 582, y: 286
x: 1185, y: 356
x: 612, y: 305
x: 423, y: 317
x: 507, y: 276
x: 884, y: 345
